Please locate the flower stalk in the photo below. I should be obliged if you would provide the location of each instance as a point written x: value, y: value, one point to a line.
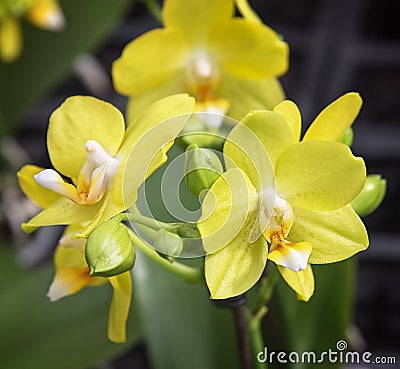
x: 189, y: 274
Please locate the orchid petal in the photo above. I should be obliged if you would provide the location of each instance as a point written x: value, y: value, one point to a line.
x: 247, y: 12
x: 150, y: 61
x: 72, y: 273
x: 301, y: 282
x: 290, y: 112
x: 51, y: 180
x: 68, y: 241
x: 68, y: 281
x: 63, y: 211
x: 334, y: 120
x: 35, y: 192
x: 107, y: 210
x: 293, y: 256
x: 319, y: 175
x: 272, y: 130
x: 137, y: 104
x: 119, y: 308
x: 248, y: 94
x: 196, y: 18
x: 238, y: 266
x: 69, y: 257
x: 77, y: 120
x: 148, y: 137
x: 335, y: 235
x: 243, y: 149
x: 242, y: 48
x: 225, y: 209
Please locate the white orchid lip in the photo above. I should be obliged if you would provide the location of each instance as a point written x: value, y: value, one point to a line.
x: 290, y: 255
x: 276, y: 219
x: 94, y: 178
x: 51, y: 180
x: 201, y: 71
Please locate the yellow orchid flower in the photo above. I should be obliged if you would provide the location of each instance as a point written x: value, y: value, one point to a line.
x: 294, y: 197
x: 72, y: 275
x: 45, y: 14
x: 88, y: 144
x: 228, y: 63
x: 72, y: 271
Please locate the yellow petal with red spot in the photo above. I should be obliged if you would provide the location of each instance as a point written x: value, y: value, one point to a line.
x: 301, y: 282
x: 334, y: 120
x: 120, y: 304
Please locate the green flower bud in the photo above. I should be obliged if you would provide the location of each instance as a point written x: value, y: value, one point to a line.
x: 109, y: 250
x: 348, y: 137
x: 371, y: 196
x: 168, y: 243
x: 202, y: 168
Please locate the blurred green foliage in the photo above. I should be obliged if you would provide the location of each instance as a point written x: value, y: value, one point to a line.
x: 36, y: 333
x: 181, y: 327
x: 47, y: 57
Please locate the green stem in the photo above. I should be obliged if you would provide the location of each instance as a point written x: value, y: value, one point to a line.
x: 142, y: 220
x: 266, y: 288
x: 243, y: 339
x: 255, y: 315
x: 190, y: 274
x: 256, y: 337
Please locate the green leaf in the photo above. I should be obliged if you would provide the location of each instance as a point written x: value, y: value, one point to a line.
x: 71, y: 333
x: 181, y: 326
x: 47, y: 57
x: 318, y: 324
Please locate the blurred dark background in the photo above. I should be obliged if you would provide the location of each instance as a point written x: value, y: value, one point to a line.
x: 336, y: 46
